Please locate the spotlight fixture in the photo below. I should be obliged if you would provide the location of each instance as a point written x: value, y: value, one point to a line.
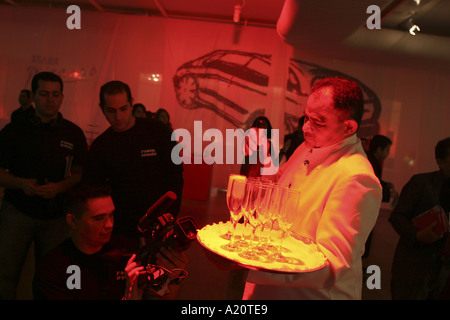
x: 414, y: 28
x: 409, y: 25
x: 237, y: 11
x: 155, y: 77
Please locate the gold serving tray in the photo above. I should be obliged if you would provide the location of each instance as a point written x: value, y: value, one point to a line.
x: 303, y: 255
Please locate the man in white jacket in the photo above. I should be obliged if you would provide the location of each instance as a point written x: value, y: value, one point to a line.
x: 339, y: 202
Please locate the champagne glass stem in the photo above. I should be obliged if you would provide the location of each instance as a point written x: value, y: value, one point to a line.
x: 280, y: 247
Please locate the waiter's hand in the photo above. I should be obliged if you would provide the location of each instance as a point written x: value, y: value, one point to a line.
x: 254, y: 140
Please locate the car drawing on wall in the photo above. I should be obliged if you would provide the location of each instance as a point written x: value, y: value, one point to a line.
x: 235, y: 86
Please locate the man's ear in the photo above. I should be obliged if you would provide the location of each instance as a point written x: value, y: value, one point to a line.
x: 351, y: 126
x: 440, y: 163
x: 70, y: 219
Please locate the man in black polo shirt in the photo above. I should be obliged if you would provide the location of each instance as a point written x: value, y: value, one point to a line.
x: 40, y: 160
x: 85, y: 265
x: 134, y: 157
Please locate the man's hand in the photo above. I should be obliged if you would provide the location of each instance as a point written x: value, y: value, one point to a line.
x: 255, y: 139
x: 49, y: 190
x: 133, y: 270
x: 427, y: 235
x: 30, y: 187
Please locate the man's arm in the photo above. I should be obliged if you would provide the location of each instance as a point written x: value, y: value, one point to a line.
x: 348, y: 217
x: 51, y: 189
x: 9, y: 181
x: 402, y: 216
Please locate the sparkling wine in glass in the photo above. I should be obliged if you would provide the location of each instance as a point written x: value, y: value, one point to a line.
x: 252, y: 194
x: 288, y: 212
x: 263, y: 214
x: 231, y: 178
x: 236, y: 199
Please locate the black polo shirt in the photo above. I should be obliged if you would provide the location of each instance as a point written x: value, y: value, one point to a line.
x: 20, y: 114
x: 138, y: 166
x: 42, y: 151
x: 96, y: 274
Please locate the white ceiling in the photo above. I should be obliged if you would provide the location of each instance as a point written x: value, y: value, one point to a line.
x: 315, y: 25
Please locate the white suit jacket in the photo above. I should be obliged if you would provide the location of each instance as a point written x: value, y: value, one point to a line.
x: 339, y: 205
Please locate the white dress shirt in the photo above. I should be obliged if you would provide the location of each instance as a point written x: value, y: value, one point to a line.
x: 339, y: 205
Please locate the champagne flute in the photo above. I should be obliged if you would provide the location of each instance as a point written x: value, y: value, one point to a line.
x: 263, y: 214
x: 236, y: 200
x: 273, y: 211
x: 245, y: 208
x: 231, y: 178
x: 252, y: 194
x: 288, y: 212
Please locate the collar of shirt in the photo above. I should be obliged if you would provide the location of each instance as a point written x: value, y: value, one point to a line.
x: 323, y: 156
x: 305, y: 160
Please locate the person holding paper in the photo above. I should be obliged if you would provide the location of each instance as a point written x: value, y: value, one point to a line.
x: 421, y: 265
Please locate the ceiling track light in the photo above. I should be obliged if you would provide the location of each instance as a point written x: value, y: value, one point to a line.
x: 413, y: 29
x: 410, y: 25
x: 237, y: 11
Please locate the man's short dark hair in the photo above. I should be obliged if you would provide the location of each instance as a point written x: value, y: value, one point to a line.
x: 114, y: 87
x: 78, y: 197
x: 137, y: 106
x: 45, y: 76
x: 27, y: 92
x: 442, y: 149
x: 347, y: 95
x: 379, y: 141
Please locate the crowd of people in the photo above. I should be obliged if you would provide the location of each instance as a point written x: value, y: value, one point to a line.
x: 44, y: 157
x: 81, y: 207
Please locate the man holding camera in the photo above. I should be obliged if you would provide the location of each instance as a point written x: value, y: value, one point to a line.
x: 85, y: 266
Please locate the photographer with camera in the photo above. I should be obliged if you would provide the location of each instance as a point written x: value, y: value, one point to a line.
x: 85, y: 266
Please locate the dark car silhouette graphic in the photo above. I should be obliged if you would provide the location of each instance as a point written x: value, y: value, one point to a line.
x: 235, y: 86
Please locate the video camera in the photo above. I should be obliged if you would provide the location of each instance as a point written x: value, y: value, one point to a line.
x: 160, y: 229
